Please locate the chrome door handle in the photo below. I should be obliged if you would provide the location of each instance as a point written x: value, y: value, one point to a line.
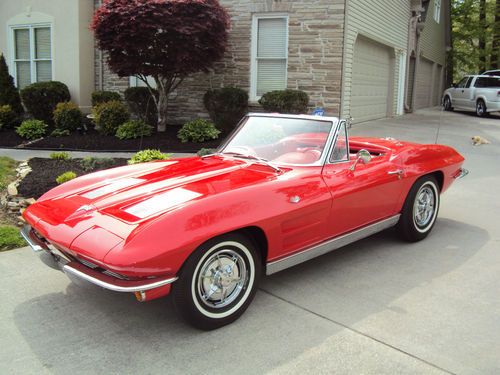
x: 399, y: 172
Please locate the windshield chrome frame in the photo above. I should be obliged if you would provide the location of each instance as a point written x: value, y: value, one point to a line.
x: 324, y: 154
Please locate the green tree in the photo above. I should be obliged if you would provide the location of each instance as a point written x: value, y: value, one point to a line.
x: 9, y: 95
x: 474, y: 25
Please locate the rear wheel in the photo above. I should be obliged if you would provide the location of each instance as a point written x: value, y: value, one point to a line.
x: 481, y: 110
x: 420, y: 210
x: 218, y: 282
x: 447, y: 103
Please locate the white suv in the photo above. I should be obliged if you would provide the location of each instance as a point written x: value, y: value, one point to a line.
x: 479, y: 93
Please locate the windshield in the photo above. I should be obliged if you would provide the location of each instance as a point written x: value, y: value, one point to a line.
x: 280, y: 140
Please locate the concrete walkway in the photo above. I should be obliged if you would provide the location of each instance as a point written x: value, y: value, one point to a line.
x: 378, y: 306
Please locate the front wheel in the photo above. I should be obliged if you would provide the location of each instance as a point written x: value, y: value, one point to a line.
x: 447, y: 104
x: 481, y: 110
x: 420, y: 210
x: 218, y: 282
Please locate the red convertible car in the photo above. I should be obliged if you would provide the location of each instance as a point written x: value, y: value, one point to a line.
x: 282, y: 189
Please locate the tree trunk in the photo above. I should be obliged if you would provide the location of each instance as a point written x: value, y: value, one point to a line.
x: 162, y: 105
x: 495, y: 53
x: 482, y: 36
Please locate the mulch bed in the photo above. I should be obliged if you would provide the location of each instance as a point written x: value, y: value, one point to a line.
x: 45, y: 171
x: 94, y: 141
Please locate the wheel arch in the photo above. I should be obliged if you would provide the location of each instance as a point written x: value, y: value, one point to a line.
x: 257, y: 235
x: 439, y: 176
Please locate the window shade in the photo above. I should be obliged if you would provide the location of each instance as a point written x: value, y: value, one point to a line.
x: 271, y: 56
x: 43, y: 71
x: 23, y: 74
x: 271, y: 38
x: 22, y: 44
x: 42, y: 43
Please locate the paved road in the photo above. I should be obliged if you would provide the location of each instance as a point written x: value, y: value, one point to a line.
x: 377, y: 306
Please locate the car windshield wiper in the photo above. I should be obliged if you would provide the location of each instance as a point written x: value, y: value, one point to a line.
x: 251, y: 157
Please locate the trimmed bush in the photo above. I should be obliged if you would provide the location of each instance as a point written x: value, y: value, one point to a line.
x: 65, y: 177
x: 9, y: 95
x: 89, y: 163
x: 99, y: 97
x: 285, y: 101
x: 141, y: 104
x: 41, y: 98
x: 60, y: 155
x: 109, y: 116
x: 60, y: 133
x: 8, y: 118
x: 199, y: 130
x: 134, y: 129
x: 226, y: 107
x: 148, y: 155
x: 32, y: 129
x: 67, y: 116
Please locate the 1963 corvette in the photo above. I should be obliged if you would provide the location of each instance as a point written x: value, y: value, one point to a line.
x: 282, y: 189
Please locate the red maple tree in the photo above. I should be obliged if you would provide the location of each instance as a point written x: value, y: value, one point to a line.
x: 164, y: 39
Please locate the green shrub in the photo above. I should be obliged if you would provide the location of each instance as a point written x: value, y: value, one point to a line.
x: 285, y: 101
x: 89, y: 163
x: 10, y: 238
x: 109, y: 116
x: 134, y: 129
x: 8, y: 118
x: 32, y: 129
x: 41, y: 98
x: 65, y: 177
x: 141, y: 104
x: 60, y: 133
x: 67, y: 116
x: 60, y: 155
x: 145, y: 156
x: 226, y: 106
x: 9, y: 95
x: 206, y: 151
x: 198, y: 131
x: 99, y: 97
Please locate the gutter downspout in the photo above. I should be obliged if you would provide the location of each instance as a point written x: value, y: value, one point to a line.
x: 414, y: 23
x: 101, y: 64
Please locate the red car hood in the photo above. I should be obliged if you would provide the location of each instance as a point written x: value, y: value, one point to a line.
x: 100, y: 210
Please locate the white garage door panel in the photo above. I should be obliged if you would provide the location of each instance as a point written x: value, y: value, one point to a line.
x: 424, y: 84
x: 370, y: 80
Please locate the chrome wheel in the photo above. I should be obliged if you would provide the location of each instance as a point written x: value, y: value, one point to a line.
x: 480, y: 108
x: 423, y: 209
x: 221, y: 279
x: 447, y: 103
x: 420, y: 209
x: 218, y: 281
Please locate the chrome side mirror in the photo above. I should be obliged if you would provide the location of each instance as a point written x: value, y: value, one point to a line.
x: 363, y: 157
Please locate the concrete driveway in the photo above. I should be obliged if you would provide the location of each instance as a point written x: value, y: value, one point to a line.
x: 376, y: 306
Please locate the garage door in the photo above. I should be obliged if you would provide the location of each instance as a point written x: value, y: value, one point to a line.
x: 424, y: 84
x: 371, y: 80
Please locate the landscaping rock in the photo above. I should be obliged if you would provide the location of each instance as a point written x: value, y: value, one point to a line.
x: 12, y: 189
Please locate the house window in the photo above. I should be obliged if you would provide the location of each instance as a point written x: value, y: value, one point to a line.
x: 437, y: 10
x: 269, y: 54
x: 32, y: 54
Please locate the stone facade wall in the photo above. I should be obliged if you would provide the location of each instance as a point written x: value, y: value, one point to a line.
x: 316, y: 31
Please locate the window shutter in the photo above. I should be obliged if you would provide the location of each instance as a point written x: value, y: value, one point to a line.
x: 271, y: 54
x: 22, y: 44
x: 42, y: 43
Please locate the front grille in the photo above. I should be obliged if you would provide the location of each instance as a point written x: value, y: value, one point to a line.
x: 104, y: 271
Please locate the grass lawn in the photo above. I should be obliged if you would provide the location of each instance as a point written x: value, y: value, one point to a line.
x: 7, y: 171
x: 9, y: 234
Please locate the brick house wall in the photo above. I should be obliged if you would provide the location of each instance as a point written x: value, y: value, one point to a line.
x: 316, y: 34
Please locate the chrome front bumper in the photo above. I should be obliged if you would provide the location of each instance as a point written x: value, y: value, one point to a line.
x: 79, y: 272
